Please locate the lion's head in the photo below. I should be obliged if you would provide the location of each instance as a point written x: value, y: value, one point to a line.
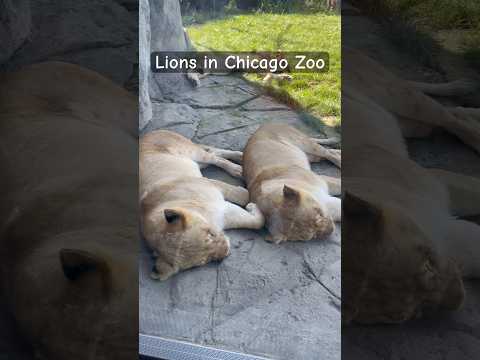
x: 181, y: 239
x: 393, y: 272
x: 73, y: 295
x: 297, y: 215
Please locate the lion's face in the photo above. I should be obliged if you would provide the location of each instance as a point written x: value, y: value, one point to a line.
x: 394, y: 271
x: 184, y: 240
x: 74, y: 296
x: 297, y: 215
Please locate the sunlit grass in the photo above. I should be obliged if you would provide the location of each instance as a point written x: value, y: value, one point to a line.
x: 319, y: 93
x: 455, y: 25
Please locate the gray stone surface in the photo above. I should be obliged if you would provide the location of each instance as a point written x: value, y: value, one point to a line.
x: 167, y: 34
x: 441, y: 336
x: 144, y: 36
x: 160, y: 29
x: 281, y: 301
x: 98, y: 34
x: 15, y: 24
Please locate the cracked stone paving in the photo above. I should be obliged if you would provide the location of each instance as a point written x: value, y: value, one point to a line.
x: 281, y: 301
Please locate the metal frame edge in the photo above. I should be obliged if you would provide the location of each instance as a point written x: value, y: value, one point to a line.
x: 160, y: 348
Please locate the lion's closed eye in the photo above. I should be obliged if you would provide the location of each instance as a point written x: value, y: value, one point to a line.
x: 428, y: 274
x: 210, y: 236
x: 429, y: 268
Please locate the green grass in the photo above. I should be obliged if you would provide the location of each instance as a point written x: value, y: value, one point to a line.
x: 431, y: 17
x: 446, y: 14
x: 433, y: 14
x: 319, y: 93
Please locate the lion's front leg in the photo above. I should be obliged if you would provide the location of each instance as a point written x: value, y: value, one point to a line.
x: 239, y: 218
x: 334, y: 184
x: 463, y: 245
x: 235, y: 194
x: 464, y: 192
x: 334, y: 208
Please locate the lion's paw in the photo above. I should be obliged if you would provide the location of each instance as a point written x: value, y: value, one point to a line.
x: 254, y: 210
x: 236, y: 170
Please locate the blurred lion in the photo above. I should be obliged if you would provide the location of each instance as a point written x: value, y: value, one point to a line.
x: 405, y: 249
x: 297, y: 203
x: 184, y: 214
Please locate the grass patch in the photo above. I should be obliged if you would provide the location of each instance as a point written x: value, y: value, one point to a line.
x: 429, y: 18
x: 471, y: 48
x: 446, y: 14
x: 434, y: 14
x: 319, y: 93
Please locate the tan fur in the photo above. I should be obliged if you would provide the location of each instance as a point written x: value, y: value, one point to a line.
x: 61, y: 214
x: 184, y: 214
x: 404, y: 251
x: 295, y: 201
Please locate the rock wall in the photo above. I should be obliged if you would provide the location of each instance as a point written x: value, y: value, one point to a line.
x: 161, y: 29
x: 101, y: 35
x: 15, y: 24
x: 145, y: 108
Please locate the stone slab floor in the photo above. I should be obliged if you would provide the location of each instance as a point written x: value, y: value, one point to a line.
x: 280, y: 301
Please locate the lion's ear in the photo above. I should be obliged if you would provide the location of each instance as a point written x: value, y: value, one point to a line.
x: 359, y: 208
x: 291, y: 194
x: 175, y: 218
x: 86, y: 270
x: 77, y: 263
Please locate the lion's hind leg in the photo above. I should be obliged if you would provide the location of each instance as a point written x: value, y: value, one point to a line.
x: 433, y: 114
x: 327, y: 141
x: 204, y: 158
x: 465, y: 113
x: 452, y: 88
x: 317, y: 152
x: 224, y: 153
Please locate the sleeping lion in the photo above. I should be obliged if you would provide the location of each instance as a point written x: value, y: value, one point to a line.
x: 297, y: 203
x: 184, y: 214
x: 406, y: 250
x: 68, y: 228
